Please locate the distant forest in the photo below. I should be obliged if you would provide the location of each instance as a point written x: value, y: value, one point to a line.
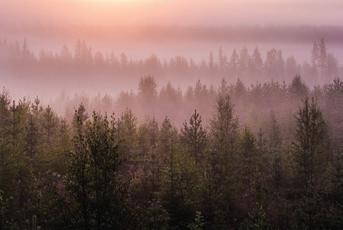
x: 82, y: 62
x: 246, y: 139
x: 267, y: 156
x: 267, y: 33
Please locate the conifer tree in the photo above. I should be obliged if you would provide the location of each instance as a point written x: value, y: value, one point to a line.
x: 127, y: 135
x: 105, y: 190
x: 78, y: 171
x: 194, y: 137
x: 323, y: 60
x: 311, y: 159
x: 49, y: 125
x: 275, y: 147
x: 94, y: 182
x: 249, y: 164
x: 222, y: 162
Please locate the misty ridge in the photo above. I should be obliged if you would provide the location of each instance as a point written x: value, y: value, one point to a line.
x: 154, y: 88
x: 173, y: 33
x: 254, y: 104
x: 80, y: 66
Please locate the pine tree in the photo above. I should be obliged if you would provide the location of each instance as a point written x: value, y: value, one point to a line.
x: 194, y: 137
x: 323, y: 60
x: 257, y: 220
x: 336, y: 219
x: 105, y: 190
x: 178, y: 185
x: 7, y: 172
x: 78, y: 170
x: 221, y: 59
x: 275, y: 147
x: 311, y: 159
x: 257, y: 63
x: 127, y: 136
x: 198, y: 223
x: 49, y: 126
x: 298, y: 88
x: 248, y: 164
x: 167, y: 141
x: 315, y: 56
x: 32, y: 135
x: 224, y: 129
x: 16, y: 137
x: 211, y: 61
x: 234, y: 64
x: 147, y: 88
x: 94, y: 182
x: 151, y: 162
x: 221, y: 163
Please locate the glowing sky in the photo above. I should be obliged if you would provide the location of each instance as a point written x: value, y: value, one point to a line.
x: 170, y: 12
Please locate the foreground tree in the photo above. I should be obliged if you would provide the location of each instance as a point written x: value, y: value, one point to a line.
x: 194, y: 137
x: 222, y: 162
x: 93, y: 180
x: 311, y: 161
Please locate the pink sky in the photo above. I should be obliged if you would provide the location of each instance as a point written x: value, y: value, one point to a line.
x: 173, y: 12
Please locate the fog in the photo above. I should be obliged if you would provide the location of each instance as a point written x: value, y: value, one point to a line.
x: 171, y: 114
x: 48, y: 67
x: 168, y: 29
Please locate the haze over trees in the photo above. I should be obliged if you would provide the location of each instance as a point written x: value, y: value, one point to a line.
x: 81, y: 64
x: 159, y: 115
x: 264, y: 157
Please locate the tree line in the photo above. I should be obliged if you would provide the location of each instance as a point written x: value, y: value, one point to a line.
x: 250, y: 66
x: 107, y: 171
x: 254, y: 104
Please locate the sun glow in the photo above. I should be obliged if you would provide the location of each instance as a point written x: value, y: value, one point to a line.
x: 115, y: 2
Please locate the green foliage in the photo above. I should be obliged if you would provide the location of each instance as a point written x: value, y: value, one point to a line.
x: 257, y: 220
x: 194, y: 137
x: 93, y: 180
x: 100, y: 172
x: 198, y: 223
x: 312, y: 162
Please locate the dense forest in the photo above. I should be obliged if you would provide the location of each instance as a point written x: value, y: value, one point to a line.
x: 265, y: 156
x: 171, y: 115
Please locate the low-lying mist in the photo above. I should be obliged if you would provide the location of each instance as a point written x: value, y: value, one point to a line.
x: 82, y: 69
x: 255, y: 105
